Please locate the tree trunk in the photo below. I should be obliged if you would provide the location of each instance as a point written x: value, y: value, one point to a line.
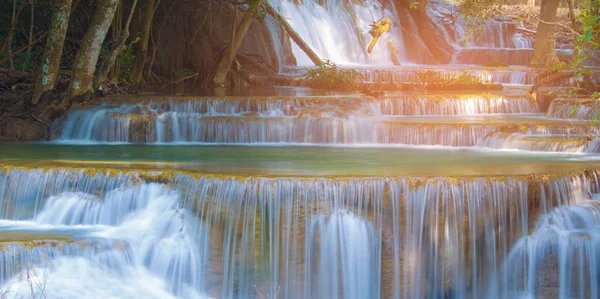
x: 109, y: 62
x: 575, y: 26
x: 46, y: 79
x: 293, y: 34
x: 141, y: 52
x: 87, y: 56
x: 31, y: 23
x: 13, y: 25
x: 11, y: 64
x: 155, y: 42
x: 226, y: 59
x: 544, y: 52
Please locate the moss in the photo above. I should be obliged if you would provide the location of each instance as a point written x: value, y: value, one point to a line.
x: 495, y: 64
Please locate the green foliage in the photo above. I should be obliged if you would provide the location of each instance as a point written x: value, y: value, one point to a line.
x: 125, y: 60
x: 20, y: 36
x: 479, y: 8
x: 596, y: 96
x: 474, y: 13
x: 413, y: 5
x: 261, y: 14
x: 572, y: 111
x: 21, y: 61
x: 329, y: 75
x: 559, y: 66
x: 589, y: 39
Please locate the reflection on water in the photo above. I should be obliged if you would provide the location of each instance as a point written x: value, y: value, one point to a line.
x: 299, y: 160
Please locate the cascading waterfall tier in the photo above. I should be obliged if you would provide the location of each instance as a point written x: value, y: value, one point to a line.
x: 542, y: 142
x: 201, y: 236
x: 338, y: 31
x: 486, y: 75
x: 560, y: 257
x: 582, y: 112
x: 324, y: 120
x: 575, y: 108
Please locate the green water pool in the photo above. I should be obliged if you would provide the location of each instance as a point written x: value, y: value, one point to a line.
x: 290, y: 160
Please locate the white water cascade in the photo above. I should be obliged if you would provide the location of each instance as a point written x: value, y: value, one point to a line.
x: 342, y: 243
x: 338, y: 30
x: 114, y: 235
x: 157, y: 252
x: 561, y: 257
x: 323, y: 120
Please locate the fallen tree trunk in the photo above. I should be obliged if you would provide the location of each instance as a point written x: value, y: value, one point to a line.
x: 526, y: 30
x: 556, y: 76
x: 293, y: 34
x: 548, y: 78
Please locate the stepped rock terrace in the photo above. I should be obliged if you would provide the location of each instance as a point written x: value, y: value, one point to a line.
x: 281, y: 233
x: 407, y: 195
x: 455, y: 180
x: 505, y: 75
x: 405, y: 119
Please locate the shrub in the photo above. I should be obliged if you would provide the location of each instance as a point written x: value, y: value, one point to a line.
x: 330, y: 76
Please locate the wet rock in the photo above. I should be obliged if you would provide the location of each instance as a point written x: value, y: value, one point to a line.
x: 427, y: 44
x: 203, y: 39
x: 16, y: 129
x: 499, y: 56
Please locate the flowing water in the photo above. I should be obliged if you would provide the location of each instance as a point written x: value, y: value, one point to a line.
x: 338, y: 31
x: 440, y: 195
x: 301, y: 194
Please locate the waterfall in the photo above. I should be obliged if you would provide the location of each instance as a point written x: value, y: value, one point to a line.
x: 161, y: 244
x: 503, y: 76
x: 119, y: 235
x: 560, y: 258
x: 342, y: 243
x: 338, y: 30
x: 540, y: 142
x: 310, y: 120
x: 574, y: 108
